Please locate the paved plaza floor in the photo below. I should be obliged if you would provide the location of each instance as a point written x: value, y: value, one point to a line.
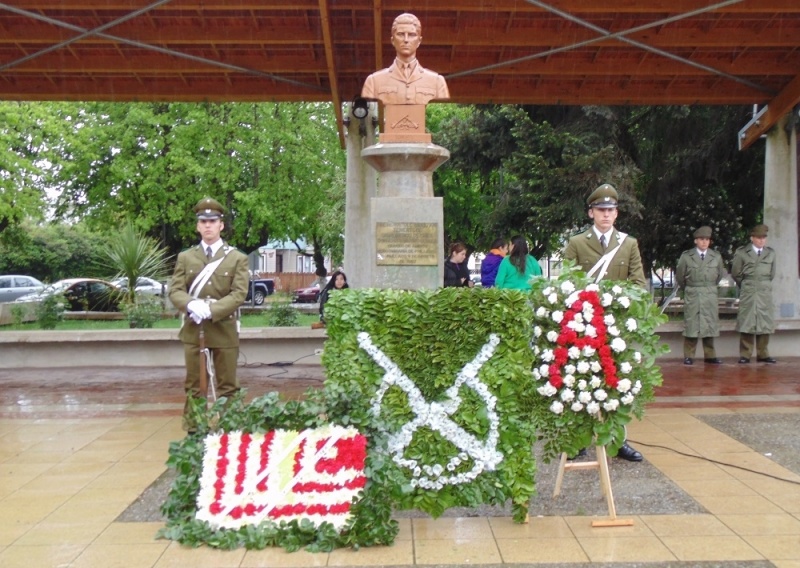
x: 720, y: 484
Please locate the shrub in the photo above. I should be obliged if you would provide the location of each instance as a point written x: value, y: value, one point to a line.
x: 143, y: 312
x: 281, y: 313
x: 50, y: 311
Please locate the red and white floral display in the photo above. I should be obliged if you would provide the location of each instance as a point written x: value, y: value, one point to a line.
x: 281, y: 475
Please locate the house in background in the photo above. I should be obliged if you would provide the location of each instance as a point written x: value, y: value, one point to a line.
x: 285, y: 257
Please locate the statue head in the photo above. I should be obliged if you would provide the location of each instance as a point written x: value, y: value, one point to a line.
x: 406, y: 36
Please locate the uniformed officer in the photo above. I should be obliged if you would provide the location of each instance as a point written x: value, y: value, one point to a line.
x: 208, y: 286
x: 699, y: 271
x: 753, y: 270
x: 602, y: 238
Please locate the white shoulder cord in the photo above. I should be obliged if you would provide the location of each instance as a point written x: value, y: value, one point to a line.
x: 605, y: 260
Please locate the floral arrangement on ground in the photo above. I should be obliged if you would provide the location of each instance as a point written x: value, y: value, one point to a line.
x: 447, y: 374
x: 296, y: 474
x: 594, y: 348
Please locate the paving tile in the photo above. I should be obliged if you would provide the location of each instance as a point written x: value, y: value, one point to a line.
x: 279, y: 558
x: 56, y: 555
x: 460, y: 529
x: 762, y: 525
x: 130, y: 533
x: 626, y: 549
x: 456, y: 551
x: 79, y: 533
x: 119, y: 556
x: 686, y: 525
x: 536, y: 527
x: 540, y: 550
x: 401, y: 553
x: 783, y: 547
x: 177, y: 556
x: 711, y: 548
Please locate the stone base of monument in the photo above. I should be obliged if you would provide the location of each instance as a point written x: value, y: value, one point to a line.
x: 409, y: 238
x: 407, y: 221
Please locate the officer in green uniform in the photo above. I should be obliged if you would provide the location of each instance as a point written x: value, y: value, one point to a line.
x: 208, y: 286
x: 587, y: 248
x: 753, y: 270
x: 699, y: 271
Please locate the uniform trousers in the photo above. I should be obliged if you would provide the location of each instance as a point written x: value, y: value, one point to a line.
x: 746, y: 345
x: 690, y: 346
x: 225, y: 380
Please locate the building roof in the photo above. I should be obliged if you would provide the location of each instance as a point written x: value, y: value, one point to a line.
x: 609, y: 52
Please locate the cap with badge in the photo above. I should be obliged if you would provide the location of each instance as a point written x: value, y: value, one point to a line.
x: 759, y: 231
x: 604, y: 197
x: 703, y: 232
x: 208, y: 208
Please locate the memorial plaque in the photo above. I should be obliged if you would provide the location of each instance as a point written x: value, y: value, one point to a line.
x: 406, y: 244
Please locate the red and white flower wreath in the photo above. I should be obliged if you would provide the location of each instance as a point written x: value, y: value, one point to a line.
x: 583, y: 358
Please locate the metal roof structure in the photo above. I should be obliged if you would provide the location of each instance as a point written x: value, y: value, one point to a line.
x: 609, y: 52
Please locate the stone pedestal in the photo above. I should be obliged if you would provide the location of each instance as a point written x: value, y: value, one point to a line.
x: 407, y: 221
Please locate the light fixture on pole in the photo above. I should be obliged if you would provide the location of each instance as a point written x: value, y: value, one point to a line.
x: 360, y: 108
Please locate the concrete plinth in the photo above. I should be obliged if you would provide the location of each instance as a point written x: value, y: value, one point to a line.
x: 407, y: 221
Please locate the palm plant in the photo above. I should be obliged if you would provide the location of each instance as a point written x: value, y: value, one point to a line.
x: 134, y: 255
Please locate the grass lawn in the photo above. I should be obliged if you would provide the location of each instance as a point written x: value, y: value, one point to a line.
x: 255, y: 320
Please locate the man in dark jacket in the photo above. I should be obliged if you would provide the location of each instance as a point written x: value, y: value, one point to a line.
x: 753, y: 270
x: 491, y: 262
x: 699, y: 271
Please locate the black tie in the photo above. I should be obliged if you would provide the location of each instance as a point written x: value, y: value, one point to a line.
x: 702, y: 256
x: 603, y: 241
x: 209, y: 253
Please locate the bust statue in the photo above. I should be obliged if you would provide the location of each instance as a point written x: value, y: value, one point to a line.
x: 405, y: 81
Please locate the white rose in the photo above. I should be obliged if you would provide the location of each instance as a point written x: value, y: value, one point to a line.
x: 624, y: 385
x: 541, y: 312
x: 572, y: 298
x: 585, y: 397
x: 556, y: 407
x: 547, y: 390
x: 582, y: 384
x: 583, y: 366
x: 557, y: 316
x: 600, y: 395
x: 593, y: 287
x: 547, y: 355
x: 569, y: 380
x: 569, y: 369
x: 613, y: 331
x: 578, y: 318
x: 624, y: 301
x: 536, y: 374
x: 547, y: 291
x: 595, y: 382
x: 608, y: 319
x: 544, y: 370
x: 576, y: 407
x: 590, y: 331
x: 552, y: 336
x: 567, y: 287
x: 637, y: 387
x: 537, y: 331
x: 611, y: 405
x: 618, y: 344
x: 631, y: 324
x: 616, y: 289
x: 626, y: 367
x: 627, y: 399
x: 607, y: 299
x: 593, y: 408
x: 574, y: 352
x: 637, y: 356
x: 552, y: 298
x: 567, y: 395
x: 596, y: 367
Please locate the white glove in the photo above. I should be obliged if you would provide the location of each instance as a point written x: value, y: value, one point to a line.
x: 200, y: 309
x: 195, y: 318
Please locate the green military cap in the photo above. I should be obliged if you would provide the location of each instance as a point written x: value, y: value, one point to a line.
x: 208, y: 208
x: 759, y: 231
x: 604, y: 197
x: 703, y: 232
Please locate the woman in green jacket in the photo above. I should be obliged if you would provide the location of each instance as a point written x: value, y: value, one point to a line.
x: 518, y: 267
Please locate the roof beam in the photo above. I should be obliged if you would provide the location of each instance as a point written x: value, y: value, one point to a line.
x: 330, y: 62
x: 783, y: 103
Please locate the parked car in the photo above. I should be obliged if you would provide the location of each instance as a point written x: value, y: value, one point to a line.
x: 144, y: 285
x: 259, y: 289
x: 12, y: 286
x: 309, y: 294
x: 89, y: 294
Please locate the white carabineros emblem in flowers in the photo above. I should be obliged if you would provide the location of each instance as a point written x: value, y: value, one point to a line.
x: 436, y: 416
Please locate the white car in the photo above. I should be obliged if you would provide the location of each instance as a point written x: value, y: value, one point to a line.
x: 12, y: 286
x: 144, y: 285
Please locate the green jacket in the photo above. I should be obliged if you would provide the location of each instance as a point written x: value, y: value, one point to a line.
x: 699, y: 280
x: 226, y: 290
x: 509, y: 277
x: 754, y: 275
x: 585, y: 249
